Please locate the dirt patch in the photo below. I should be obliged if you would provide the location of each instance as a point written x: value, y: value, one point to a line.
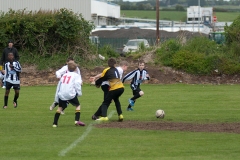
x: 174, y: 126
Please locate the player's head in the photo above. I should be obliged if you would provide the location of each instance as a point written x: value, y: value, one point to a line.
x: 72, y: 66
x: 70, y: 59
x: 141, y: 65
x: 10, y: 57
x: 124, y: 65
x: 10, y: 43
x: 111, y: 62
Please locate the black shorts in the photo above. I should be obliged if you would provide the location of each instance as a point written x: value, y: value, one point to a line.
x: 10, y: 85
x: 75, y: 102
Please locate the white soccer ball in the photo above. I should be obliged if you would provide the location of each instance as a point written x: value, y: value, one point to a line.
x: 160, y: 113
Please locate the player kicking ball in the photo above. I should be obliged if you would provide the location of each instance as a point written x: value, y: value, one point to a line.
x: 69, y: 90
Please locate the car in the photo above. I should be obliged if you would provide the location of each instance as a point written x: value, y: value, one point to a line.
x: 133, y: 45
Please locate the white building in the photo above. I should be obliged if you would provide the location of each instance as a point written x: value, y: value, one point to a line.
x: 98, y: 11
x: 198, y: 14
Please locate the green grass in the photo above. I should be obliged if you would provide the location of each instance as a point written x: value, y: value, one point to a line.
x: 27, y: 133
x: 176, y: 15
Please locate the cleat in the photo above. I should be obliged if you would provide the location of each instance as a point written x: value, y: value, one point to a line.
x: 15, y: 104
x: 62, y: 112
x: 54, y: 126
x: 129, y: 109
x: 120, y: 118
x: 102, y: 119
x: 4, y: 107
x: 94, y: 117
x: 79, y: 123
x: 3, y: 87
x: 52, y: 106
x: 131, y: 102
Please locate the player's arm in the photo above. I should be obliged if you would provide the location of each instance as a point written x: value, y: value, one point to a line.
x: 61, y: 71
x: 92, y: 79
x: 129, y: 76
x: 17, y: 67
x: 78, y: 85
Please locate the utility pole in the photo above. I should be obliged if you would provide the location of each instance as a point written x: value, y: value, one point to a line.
x: 198, y: 15
x: 157, y: 22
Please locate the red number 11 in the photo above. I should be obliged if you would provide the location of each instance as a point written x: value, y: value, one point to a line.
x: 68, y: 79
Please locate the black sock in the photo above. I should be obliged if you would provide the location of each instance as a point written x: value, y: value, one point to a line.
x: 77, y: 115
x: 56, y: 117
x: 5, y: 100
x: 15, y: 98
x: 129, y: 106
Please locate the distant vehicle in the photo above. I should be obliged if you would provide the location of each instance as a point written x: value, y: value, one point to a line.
x: 133, y: 45
x: 218, y: 37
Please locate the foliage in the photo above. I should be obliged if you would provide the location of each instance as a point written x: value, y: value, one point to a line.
x: 166, y: 51
x: 108, y: 51
x: 44, y: 34
x: 232, y: 35
x: 199, y: 56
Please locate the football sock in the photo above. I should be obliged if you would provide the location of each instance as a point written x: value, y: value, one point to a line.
x: 5, y: 100
x: 56, y: 117
x: 15, y: 97
x: 77, y: 115
x: 129, y: 106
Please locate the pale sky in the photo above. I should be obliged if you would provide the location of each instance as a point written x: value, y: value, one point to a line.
x: 133, y: 0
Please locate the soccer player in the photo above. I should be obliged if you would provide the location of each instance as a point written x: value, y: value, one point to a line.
x: 11, y: 75
x: 105, y: 85
x: 137, y: 76
x: 70, y: 87
x: 116, y: 89
x: 59, y: 74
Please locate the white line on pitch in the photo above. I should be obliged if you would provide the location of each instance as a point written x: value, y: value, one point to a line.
x: 81, y: 138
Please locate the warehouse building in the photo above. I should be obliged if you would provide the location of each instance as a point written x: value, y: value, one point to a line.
x: 100, y: 12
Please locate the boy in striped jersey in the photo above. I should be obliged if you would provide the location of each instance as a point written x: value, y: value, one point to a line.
x: 137, y: 76
x: 12, y: 71
x: 69, y: 88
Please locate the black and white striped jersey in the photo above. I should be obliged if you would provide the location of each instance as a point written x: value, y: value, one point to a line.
x: 137, y: 77
x: 12, y: 74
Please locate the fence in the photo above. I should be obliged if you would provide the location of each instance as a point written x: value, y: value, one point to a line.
x: 117, y: 43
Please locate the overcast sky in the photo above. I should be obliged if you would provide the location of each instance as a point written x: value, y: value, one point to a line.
x: 133, y: 0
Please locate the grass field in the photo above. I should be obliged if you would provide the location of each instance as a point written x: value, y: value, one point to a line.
x: 27, y: 133
x: 176, y: 15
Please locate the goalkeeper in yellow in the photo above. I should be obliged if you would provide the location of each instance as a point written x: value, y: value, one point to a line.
x: 116, y: 89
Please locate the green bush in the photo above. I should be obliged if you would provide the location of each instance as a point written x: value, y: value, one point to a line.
x: 108, y: 51
x: 166, y: 51
x: 47, y: 34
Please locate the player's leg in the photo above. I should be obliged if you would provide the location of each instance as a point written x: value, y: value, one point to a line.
x: 62, y: 104
x: 16, y: 88
x: 105, y: 89
x: 7, y: 91
x: 75, y: 102
x: 137, y: 93
x: 117, y: 94
x: 104, y: 106
x: 55, y: 103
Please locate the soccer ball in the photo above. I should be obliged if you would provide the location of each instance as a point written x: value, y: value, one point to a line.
x: 160, y: 113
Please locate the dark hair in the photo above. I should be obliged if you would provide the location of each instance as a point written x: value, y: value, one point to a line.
x: 10, y: 41
x: 111, y: 62
x: 72, y: 66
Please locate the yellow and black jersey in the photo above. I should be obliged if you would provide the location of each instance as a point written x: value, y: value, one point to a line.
x: 111, y: 75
